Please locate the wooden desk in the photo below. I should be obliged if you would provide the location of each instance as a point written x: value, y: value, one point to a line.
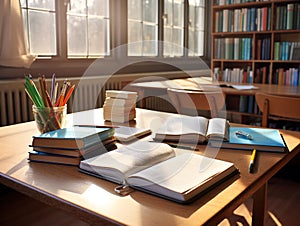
x: 156, y: 88
x: 94, y: 200
x: 232, y: 96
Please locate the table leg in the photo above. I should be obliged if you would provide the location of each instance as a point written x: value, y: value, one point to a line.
x: 259, y: 206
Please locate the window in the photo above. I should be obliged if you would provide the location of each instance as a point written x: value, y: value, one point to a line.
x: 142, y: 27
x: 173, y: 27
x: 88, y: 28
x: 87, y: 25
x: 40, y: 23
x: 82, y: 29
x: 196, y: 27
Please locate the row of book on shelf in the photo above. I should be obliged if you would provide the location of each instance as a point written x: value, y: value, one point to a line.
x: 287, y: 51
x: 233, y: 48
x: 228, y: 2
x: 234, y: 75
x: 281, y: 76
x: 241, y: 49
x: 245, y: 19
x: 283, y: 50
x: 258, y: 19
x: 287, y: 17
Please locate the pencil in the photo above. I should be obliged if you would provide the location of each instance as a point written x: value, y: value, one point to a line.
x: 70, y: 91
x: 252, y: 160
x: 52, y: 86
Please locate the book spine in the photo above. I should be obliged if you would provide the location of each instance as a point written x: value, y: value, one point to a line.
x: 290, y: 15
x: 276, y: 50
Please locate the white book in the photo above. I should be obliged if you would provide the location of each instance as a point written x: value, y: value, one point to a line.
x: 121, y: 94
x: 155, y: 168
x: 111, y: 101
x: 127, y: 134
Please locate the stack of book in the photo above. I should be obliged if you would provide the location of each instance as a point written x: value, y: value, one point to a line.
x: 119, y: 106
x: 69, y: 146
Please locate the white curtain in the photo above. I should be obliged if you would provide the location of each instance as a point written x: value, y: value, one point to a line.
x: 13, y: 45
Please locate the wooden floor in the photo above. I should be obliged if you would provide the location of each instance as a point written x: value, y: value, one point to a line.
x: 283, y: 207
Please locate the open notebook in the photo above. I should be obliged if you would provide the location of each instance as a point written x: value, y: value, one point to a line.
x: 156, y: 169
x: 192, y: 129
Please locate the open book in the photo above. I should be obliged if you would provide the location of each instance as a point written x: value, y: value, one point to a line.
x: 156, y: 169
x: 192, y: 129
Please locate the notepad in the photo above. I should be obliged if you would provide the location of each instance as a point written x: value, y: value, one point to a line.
x: 263, y: 139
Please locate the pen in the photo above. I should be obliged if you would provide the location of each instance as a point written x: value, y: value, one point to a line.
x: 243, y: 134
x: 97, y: 126
x: 252, y: 160
x: 178, y: 146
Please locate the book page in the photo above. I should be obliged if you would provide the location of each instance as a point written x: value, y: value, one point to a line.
x: 126, y: 133
x: 218, y: 129
x: 182, y: 127
x: 120, y: 163
x: 179, y: 175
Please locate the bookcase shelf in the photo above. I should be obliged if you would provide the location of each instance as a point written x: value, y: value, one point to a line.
x: 260, y: 37
x: 255, y: 42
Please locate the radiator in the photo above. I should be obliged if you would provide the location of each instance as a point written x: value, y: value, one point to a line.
x: 16, y: 107
x: 14, y: 104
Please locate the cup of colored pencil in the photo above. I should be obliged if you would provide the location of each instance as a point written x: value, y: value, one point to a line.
x: 49, y: 119
x: 49, y: 111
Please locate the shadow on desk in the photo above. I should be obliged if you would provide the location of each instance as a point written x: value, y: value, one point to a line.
x: 282, y: 209
x: 283, y: 204
x: 181, y: 209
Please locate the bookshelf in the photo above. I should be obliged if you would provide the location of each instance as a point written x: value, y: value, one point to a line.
x: 256, y: 42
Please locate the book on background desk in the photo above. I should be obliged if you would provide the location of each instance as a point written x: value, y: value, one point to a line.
x: 263, y: 139
x: 192, y: 129
x: 73, y: 137
x: 239, y: 86
x: 127, y: 134
x: 157, y: 169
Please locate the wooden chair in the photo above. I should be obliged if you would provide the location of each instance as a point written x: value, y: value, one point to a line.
x: 280, y: 106
x: 190, y: 102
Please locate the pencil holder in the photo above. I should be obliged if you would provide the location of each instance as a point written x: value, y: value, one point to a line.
x: 49, y: 119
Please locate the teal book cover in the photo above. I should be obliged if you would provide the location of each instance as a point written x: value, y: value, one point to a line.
x: 260, y: 136
x: 73, y: 137
x: 261, y: 139
x: 76, y: 132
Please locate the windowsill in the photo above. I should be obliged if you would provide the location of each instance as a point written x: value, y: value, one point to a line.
x: 108, y: 66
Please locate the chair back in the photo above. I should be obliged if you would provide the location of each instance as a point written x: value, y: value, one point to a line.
x: 190, y: 102
x: 274, y: 105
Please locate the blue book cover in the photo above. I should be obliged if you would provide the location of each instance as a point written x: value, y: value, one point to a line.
x: 73, y: 137
x: 261, y: 139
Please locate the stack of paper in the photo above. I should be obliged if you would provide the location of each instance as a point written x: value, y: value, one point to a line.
x: 119, y: 106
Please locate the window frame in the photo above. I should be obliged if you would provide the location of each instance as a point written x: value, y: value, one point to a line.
x: 74, y: 67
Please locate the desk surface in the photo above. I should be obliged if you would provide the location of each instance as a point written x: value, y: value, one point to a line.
x: 205, y: 83
x: 94, y: 200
